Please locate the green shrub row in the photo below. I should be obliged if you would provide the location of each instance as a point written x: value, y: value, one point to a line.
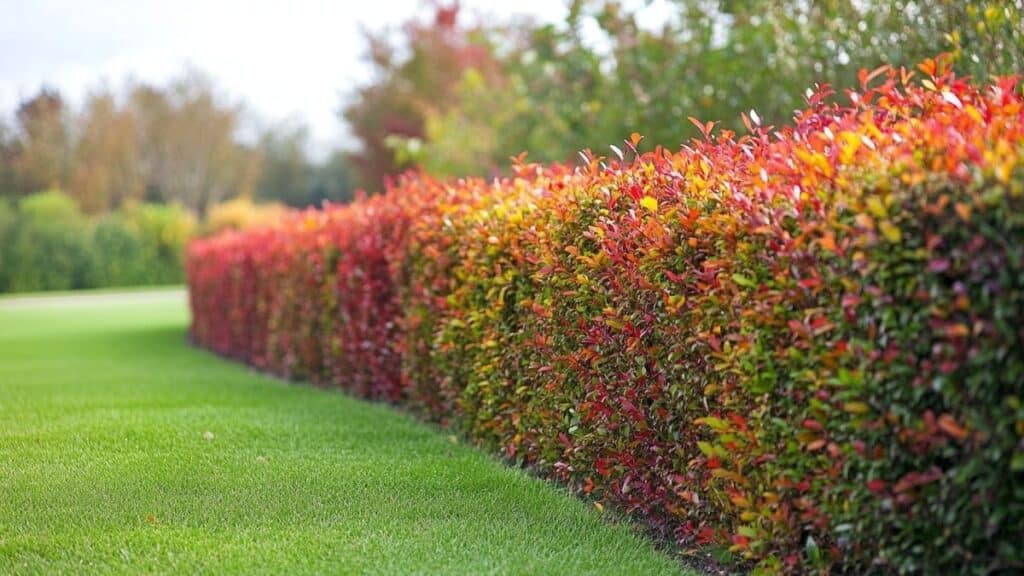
x: 47, y: 244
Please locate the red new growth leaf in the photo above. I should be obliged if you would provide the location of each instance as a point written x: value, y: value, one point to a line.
x: 877, y: 486
x: 812, y: 424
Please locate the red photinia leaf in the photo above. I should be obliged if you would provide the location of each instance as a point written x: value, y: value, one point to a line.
x: 877, y: 486
x: 739, y: 421
x: 812, y: 424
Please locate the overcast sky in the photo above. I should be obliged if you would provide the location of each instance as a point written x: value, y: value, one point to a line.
x: 289, y: 58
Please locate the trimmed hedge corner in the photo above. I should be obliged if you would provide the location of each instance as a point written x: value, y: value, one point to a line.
x: 805, y: 345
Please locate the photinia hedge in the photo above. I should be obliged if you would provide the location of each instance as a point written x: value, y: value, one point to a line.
x: 803, y: 346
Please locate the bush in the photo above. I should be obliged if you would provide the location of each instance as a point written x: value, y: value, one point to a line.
x: 800, y: 347
x: 242, y: 213
x: 163, y: 231
x: 120, y: 259
x: 47, y: 244
x: 8, y: 220
x: 49, y: 247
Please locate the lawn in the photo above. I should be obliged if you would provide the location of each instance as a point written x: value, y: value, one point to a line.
x: 124, y: 450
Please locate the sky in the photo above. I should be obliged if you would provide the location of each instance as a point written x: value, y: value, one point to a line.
x: 284, y: 60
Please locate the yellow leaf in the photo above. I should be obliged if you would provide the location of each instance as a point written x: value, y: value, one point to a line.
x: 729, y: 475
x: 856, y: 407
x: 815, y: 160
x: 849, y: 143
x: 891, y: 232
x: 876, y: 207
x: 649, y: 203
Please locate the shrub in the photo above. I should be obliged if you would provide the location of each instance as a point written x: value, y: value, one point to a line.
x: 163, y: 231
x: 47, y: 244
x: 242, y: 213
x: 802, y: 347
x: 49, y: 247
x: 120, y: 259
x: 8, y: 221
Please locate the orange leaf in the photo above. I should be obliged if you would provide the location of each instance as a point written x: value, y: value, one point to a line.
x: 949, y: 425
x: 928, y: 66
x: 828, y: 242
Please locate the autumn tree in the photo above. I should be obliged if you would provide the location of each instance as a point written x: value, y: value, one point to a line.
x: 411, y: 78
x: 39, y: 157
x: 187, y: 147
x: 107, y: 170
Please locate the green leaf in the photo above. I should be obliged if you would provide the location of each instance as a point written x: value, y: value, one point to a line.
x: 743, y: 281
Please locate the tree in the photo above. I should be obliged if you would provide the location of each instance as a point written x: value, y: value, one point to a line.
x: 107, y: 169
x: 599, y: 76
x: 411, y: 79
x: 187, y: 147
x: 7, y: 152
x: 39, y: 157
x: 286, y: 171
x: 331, y: 180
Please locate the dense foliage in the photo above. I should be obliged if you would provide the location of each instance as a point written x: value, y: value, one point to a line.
x: 613, y: 67
x: 802, y: 347
x: 46, y: 243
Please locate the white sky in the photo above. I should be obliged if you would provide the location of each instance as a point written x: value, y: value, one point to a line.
x: 286, y: 59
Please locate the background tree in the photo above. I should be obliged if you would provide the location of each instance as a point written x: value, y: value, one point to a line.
x: 411, y: 79
x: 7, y: 152
x: 287, y: 171
x: 554, y: 89
x: 331, y: 180
x: 187, y: 146
x: 39, y: 157
x: 107, y: 169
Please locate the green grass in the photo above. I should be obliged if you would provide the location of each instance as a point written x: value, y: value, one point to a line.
x: 124, y: 450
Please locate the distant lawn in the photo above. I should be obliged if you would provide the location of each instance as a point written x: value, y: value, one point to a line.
x: 124, y: 450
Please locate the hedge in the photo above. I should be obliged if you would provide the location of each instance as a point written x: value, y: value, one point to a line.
x: 802, y: 347
x: 46, y: 243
